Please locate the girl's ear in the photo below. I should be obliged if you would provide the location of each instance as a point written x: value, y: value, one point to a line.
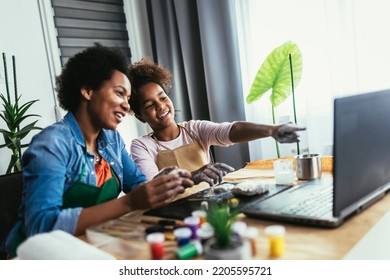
x: 86, y: 93
x: 139, y: 117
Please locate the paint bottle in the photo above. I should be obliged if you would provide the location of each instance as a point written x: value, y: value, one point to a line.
x: 205, y: 232
x: 182, y: 235
x: 156, y: 242
x: 190, y: 250
x: 204, y: 205
x: 250, y: 234
x: 238, y: 228
x: 193, y: 223
x: 276, y: 242
x: 202, y: 215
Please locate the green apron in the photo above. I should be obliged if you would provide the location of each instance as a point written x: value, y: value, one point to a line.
x: 85, y: 195
x: 79, y: 195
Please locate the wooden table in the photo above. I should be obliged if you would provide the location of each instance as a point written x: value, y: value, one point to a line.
x: 302, y: 242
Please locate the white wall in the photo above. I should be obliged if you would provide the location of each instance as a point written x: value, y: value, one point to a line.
x: 21, y: 35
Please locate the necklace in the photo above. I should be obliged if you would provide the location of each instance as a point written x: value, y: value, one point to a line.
x: 98, y: 158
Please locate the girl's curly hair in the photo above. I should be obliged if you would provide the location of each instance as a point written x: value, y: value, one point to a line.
x: 143, y: 72
x: 88, y: 69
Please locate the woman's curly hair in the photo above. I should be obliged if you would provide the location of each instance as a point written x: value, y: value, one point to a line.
x: 88, y: 69
x: 143, y: 72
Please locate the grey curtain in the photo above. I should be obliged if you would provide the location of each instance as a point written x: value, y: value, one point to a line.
x: 197, y: 41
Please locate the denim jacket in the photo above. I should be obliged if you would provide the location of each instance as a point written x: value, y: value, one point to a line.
x: 53, y: 163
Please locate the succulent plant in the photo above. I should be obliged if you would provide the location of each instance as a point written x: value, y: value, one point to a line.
x: 221, y: 216
x: 14, y: 114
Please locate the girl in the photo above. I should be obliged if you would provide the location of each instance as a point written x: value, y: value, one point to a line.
x: 186, y: 144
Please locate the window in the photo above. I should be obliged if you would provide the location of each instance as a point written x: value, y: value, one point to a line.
x: 81, y: 23
x: 344, y: 51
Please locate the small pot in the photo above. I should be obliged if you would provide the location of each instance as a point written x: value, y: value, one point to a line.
x: 237, y: 250
x: 309, y: 166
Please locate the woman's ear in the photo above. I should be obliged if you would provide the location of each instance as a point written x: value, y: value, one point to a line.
x: 86, y: 93
x: 139, y: 117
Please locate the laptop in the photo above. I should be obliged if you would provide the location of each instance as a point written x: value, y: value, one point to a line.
x: 361, y: 169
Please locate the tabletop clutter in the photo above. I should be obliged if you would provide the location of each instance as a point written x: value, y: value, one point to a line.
x: 212, y: 232
x: 126, y: 237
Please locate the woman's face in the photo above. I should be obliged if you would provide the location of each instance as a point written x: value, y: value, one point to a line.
x: 109, y: 104
x: 156, y: 107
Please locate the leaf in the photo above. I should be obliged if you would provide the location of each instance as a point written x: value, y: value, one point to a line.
x: 8, y: 115
x: 25, y: 130
x: 7, y: 133
x: 3, y: 117
x: 12, y: 163
x: 7, y: 105
x: 221, y: 217
x: 275, y: 73
x: 7, y: 121
x: 18, y: 120
x: 8, y: 140
x: 16, y: 143
x: 25, y: 107
x: 18, y: 165
x: 5, y: 101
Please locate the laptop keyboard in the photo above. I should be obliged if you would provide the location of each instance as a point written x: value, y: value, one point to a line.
x: 318, y: 204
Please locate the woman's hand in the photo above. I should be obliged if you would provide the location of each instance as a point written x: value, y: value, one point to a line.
x: 287, y: 133
x: 184, y: 174
x: 157, y: 192
x: 211, y: 173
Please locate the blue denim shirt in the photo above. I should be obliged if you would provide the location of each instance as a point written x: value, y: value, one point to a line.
x: 52, y: 164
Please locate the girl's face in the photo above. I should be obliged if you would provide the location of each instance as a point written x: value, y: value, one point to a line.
x: 156, y: 107
x: 109, y: 104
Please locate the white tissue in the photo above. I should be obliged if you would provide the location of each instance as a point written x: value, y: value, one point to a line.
x: 223, y: 188
x: 59, y: 245
x: 249, y: 188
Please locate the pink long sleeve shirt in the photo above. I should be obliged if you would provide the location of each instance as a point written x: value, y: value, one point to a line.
x: 144, y: 149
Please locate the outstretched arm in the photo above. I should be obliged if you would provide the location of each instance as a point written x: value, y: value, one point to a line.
x: 248, y: 131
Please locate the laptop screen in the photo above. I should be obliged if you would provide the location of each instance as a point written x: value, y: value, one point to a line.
x: 361, y: 147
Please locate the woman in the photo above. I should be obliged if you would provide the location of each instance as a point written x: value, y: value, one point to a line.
x: 74, y: 170
x: 185, y: 144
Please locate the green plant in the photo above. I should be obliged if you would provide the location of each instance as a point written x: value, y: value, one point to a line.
x: 221, y: 217
x: 281, y: 71
x: 13, y: 114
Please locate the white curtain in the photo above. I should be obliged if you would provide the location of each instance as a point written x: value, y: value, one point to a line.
x: 140, y: 45
x: 345, y: 50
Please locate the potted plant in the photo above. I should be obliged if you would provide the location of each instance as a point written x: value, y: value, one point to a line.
x: 13, y: 114
x: 225, y: 245
x: 281, y: 71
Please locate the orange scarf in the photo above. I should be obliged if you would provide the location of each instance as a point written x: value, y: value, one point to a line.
x: 103, y: 172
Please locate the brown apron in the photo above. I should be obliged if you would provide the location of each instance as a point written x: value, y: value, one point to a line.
x: 190, y: 156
